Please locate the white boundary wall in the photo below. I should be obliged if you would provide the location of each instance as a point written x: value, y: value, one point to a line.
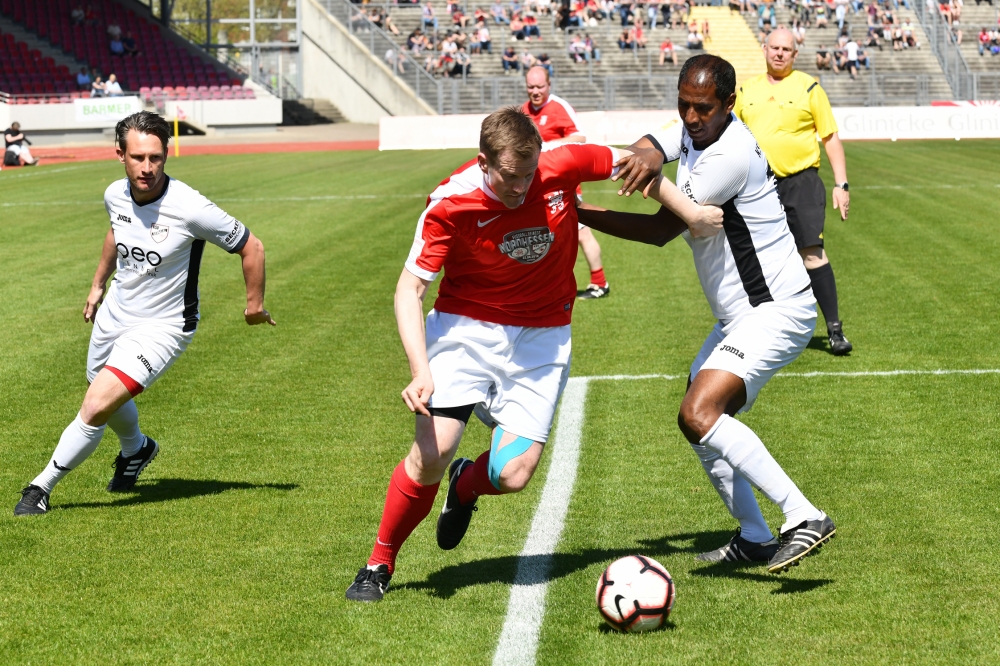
x: 206, y: 113
x: 624, y: 127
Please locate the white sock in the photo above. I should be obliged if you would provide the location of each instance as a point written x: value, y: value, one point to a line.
x: 736, y: 494
x: 78, y: 441
x: 743, y: 450
x: 125, y: 424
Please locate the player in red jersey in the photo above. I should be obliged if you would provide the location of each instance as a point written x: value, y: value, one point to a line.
x: 504, y: 229
x: 556, y: 121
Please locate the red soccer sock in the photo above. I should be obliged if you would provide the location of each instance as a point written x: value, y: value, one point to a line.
x: 597, y: 277
x: 406, y: 504
x: 475, y: 480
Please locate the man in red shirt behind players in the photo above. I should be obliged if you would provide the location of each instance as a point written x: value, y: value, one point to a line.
x: 556, y: 122
x: 504, y: 229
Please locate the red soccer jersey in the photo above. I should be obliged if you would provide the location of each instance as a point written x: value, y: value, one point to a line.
x: 556, y: 119
x: 510, y: 266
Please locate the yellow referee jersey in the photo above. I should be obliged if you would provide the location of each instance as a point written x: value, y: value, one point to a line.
x: 785, y: 118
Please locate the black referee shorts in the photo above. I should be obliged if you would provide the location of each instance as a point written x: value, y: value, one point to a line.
x: 804, y: 197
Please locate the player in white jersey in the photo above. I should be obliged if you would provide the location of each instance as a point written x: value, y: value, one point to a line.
x: 759, y: 291
x: 159, y: 227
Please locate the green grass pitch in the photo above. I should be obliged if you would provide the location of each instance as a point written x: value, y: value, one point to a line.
x: 277, y: 444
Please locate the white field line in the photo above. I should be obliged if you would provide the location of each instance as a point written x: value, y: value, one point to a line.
x: 518, y: 643
x: 519, y: 638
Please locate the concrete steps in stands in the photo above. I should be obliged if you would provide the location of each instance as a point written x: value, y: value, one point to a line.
x: 894, y: 89
x: 975, y: 17
x: 732, y: 39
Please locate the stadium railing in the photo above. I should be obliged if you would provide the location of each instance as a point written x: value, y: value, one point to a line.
x: 965, y: 84
x: 379, y: 43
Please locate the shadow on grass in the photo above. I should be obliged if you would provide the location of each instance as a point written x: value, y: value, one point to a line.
x: 535, y: 569
x: 735, y: 570
x: 605, y: 628
x: 165, y: 490
x: 819, y: 343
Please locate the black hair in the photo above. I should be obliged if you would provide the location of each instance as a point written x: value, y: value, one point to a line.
x: 723, y: 74
x: 144, y: 122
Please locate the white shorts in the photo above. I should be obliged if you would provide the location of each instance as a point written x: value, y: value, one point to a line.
x: 758, y: 344
x: 514, y: 375
x: 143, y: 351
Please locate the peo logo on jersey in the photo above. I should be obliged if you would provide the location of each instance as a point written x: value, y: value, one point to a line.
x: 555, y: 202
x: 159, y: 232
x: 527, y: 246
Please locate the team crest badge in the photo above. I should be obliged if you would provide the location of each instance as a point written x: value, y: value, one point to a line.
x: 543, y: 120
x: 527, y: 246
x: 159, y: 232
x: 555, y: 201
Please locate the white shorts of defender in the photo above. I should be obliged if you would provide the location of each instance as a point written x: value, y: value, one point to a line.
x: 514, y: 374
x: 143, y: 351
x: 758, y: 344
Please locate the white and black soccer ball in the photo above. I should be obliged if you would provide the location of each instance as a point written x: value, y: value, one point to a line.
x: 635, y: 594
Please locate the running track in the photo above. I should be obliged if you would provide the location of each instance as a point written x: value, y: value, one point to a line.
x: 57, y: 155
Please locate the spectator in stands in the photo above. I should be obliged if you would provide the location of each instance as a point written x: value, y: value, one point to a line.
x: 516, y: 28
x: 577, y: 50
x: 735, y: 6
x: 546, y: 63
x: 462, y: 65
x: 114, y: 31
x: 626, y: 40
x: 898, y: 44
x: 945, y: 8
x: 77, y: 15
x: 83, y: 79
x: 427, y: 17
x: 872, y: 38
x: 485, y: 41
x: 665, y: 9
x: 531, y: 26
x: 97, y: 87
x: 694, y: 38
x: 840, y: 11
x: 639, y: 33
x: 798, y: 32
x: 984, y: 39
x: 479, y: 16
x: 956, y: 10
x: 849, y: 58
x: 823, y: 58
x: 498, y: 13
x: 131, y: 49
x: 16, y: 152
x: 678, y: 14
x: 112, y: 88
x: 956, y: 32
x: 458, y: 19
x: 117, y: 47
x: 863, y: 58
x: 592, y: 50
x: 667, y: 51
x: 527, y: 60
x: 821, y: 19
x: 652, y: 13
x: 908, y: 37
x: 509, y: 60
x: 90, y: 16
x: 625, y: 13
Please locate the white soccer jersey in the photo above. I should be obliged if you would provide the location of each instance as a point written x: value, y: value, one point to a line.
x: 754, y: 260
x: 160, y: 244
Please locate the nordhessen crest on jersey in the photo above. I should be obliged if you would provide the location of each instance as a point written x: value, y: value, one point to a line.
x: 159, y: 232
x: 527, y: 246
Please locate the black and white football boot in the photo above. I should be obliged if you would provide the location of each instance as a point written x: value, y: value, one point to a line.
x: 839, y: 345
x: 127, y: 470
x: 454, y: 520
x: 804, y: 539
x: 34, y: 502
x: 370, y: 584
x: 740, y: 550
x: 593, y: 291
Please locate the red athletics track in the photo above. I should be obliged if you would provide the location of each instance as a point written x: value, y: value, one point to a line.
x: 56, y: 155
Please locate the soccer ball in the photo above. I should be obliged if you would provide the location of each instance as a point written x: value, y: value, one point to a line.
x: 635, y: 594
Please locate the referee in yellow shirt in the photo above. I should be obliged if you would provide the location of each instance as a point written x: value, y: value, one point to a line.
x: 786, y: 110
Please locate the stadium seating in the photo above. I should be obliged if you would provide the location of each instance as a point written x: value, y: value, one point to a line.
x: 161, y: 62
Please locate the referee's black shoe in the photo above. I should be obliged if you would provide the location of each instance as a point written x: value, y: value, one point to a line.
x: 455, y: 517
x: 839, y: 345
x: 804, y: 539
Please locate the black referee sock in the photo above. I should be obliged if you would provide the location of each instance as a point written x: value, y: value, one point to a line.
x: 825, y: 289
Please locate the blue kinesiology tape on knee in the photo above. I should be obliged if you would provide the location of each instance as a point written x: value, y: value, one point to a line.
x: 500, y: 458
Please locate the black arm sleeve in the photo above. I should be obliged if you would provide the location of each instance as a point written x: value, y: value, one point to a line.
x: 657, y: 229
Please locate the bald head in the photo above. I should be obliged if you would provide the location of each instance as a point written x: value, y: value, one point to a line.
x: 780, y: 50
x: 537, y: 82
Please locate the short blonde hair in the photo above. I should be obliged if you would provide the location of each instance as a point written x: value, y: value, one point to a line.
x: 508, y: 128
